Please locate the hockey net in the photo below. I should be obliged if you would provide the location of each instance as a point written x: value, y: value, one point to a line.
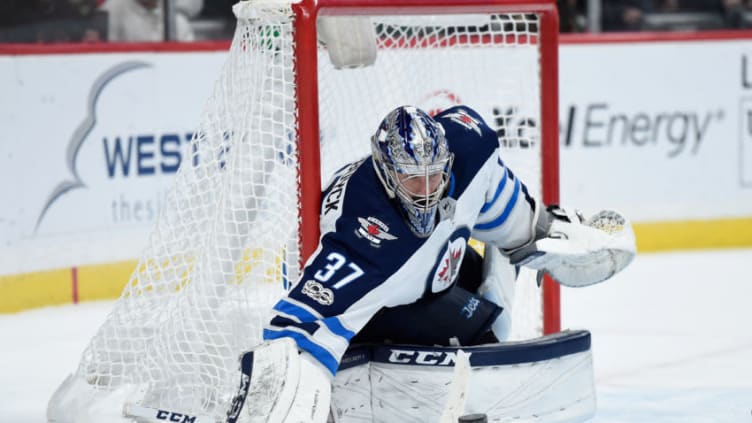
x: 228, y: 240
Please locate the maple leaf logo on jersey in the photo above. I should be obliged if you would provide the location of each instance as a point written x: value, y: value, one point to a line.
x: 374, y: 230
x: 464, y: 119
x: 449, y: 265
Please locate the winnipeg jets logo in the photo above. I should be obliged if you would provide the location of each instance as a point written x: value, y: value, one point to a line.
x: 374, y: 230
x: 465, y: 120
x: 449, y: 265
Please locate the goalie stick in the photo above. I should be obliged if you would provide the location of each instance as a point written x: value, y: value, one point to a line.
x: 455, y: 405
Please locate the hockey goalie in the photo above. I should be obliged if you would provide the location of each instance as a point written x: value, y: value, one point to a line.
x: 393, y: 268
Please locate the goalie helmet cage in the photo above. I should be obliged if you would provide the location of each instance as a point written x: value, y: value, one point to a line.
x: 243, y: 212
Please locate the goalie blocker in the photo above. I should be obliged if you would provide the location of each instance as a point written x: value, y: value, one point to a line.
x: 548, y: 379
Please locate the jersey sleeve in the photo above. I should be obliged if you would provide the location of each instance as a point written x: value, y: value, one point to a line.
x: 507, y: 215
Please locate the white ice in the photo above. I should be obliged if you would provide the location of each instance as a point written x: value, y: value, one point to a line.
x: 672, y: 342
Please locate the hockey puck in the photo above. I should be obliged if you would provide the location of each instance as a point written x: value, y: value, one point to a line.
x: 473, y: 418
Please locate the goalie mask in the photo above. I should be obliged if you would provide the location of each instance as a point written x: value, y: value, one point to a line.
x: 413, y: 162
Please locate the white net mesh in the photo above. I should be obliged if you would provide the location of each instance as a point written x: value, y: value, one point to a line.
x: 220, y: 251
x: 226, y: 242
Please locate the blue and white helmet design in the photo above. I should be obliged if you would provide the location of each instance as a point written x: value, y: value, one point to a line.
x: 413, y: 162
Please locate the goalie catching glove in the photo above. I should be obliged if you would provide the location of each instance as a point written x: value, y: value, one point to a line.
x: 577, y: 252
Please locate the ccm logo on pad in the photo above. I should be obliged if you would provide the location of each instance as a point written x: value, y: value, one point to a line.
x: 426, y: 358
x: 170, y: 416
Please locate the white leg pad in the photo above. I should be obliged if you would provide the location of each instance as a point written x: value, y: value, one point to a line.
x: 313, y: 399
x: 544, y: 380
x: 281, y: 385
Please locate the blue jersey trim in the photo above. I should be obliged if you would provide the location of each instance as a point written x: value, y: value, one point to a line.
x: 338, y: 329
x: 451, y: 184
x: 281, y: 322
x: 285, y: 281
x: 317, y: 351
x: 505, y: 214
x: 499, y: 188
x: 528, y: 198
x: 296, y: 311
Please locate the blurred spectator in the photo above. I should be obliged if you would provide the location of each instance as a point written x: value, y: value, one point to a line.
x: 219, y: 9
x: 46, y: 21
x: 190, y: 8
x: 731, y: 12
x: 216, y: 20
x: 142, y: 20
x: 571, y: 15
x: 624, y: 15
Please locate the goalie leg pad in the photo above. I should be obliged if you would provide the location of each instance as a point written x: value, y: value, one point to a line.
x: 280, y: 385
x: 548, y: 379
